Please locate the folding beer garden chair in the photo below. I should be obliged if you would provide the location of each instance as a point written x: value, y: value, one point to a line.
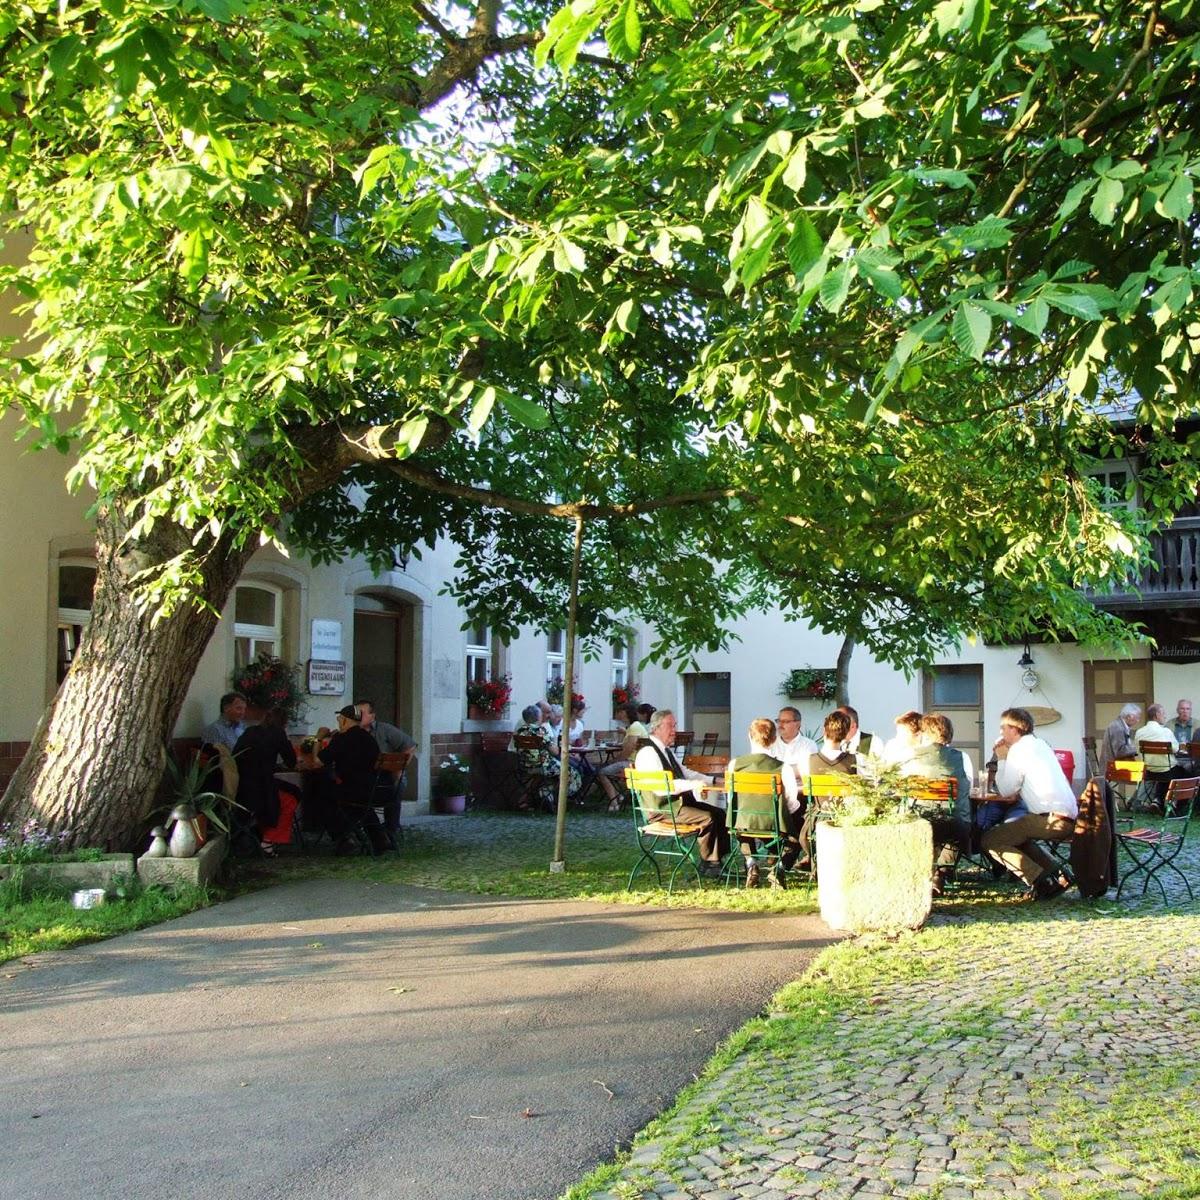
x: 659, y: 835
x: 1154, y: 848
x: 754, y: 801
x: 1121, y: 774
x: 820, y: 790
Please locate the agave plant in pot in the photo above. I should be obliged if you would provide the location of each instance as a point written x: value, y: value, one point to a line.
x: 875, y: 856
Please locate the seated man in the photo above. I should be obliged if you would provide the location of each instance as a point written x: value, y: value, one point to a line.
x: 1160, y: 768
x: 1027, y: 770
x: 793, y: 748
x: 635, y: 732
x: 935, y: 758
x: 685, y: 799
x: 343, y: 795
x: 231, y: 724
x: 390, y: 739
x: 1117, y: 742
x: 760, y: 759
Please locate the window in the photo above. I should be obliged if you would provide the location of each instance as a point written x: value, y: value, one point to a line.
x: 555, y: 656
x: 257, y: 622
x: 1114, y: 484
x: 479, y: 654
x: 620, y: 664
x: 76, y: 582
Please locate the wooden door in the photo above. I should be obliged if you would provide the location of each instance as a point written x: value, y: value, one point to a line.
x: 1110, y: 684
x: 958, y: 693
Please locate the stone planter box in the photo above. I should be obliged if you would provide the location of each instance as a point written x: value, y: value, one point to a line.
x: 181, y: 872
x: 875, y: 877
x: 102, y: 873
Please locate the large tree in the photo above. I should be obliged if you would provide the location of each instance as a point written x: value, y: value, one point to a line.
x: 280, y: 249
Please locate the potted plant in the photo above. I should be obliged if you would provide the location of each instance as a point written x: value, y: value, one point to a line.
x: 268, y: 682
x: 488, y: 698
x: 452, y: 783
x: 810, y: 683
x: 874, y: 857
x: 192, y: 806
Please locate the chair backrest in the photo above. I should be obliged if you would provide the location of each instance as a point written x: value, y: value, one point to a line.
x: 931, y: 791
x: 754, y: 800
x: 707, y: 764
x: 709, y: 746
x: 1191, y: 749
x: 1125, y: 770
x: 495, y: 743
x: 529, y: 741
x: 1181, y: 796
x: 1090, y: 758
x: 1148, y: 747
x: 587, y: 736
x: 394, y: 761
x: 649, y: 792
x: 826, y: 785
x: 683, y: 739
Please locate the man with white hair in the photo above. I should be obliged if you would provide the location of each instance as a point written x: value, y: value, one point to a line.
x: 1118, y: 742
x: 684, y: 800
x: 1160, y: 768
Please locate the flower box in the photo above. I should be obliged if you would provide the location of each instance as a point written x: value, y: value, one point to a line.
x: 97, y: 873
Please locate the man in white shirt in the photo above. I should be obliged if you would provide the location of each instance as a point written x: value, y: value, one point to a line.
x: 1027, y: 769
x: 684, y: 800
x: 1160, y: 768
x: 794, y: 750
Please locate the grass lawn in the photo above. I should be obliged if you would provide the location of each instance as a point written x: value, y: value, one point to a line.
x: 46, y: 920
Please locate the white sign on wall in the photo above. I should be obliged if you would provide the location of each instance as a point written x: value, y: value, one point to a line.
x: 326, y: 677
x: 326, y: 639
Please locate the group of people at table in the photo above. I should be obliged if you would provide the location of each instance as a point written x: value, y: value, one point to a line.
x: 1166, y: 754
x: 338, y: 774
x: 1030, y: 801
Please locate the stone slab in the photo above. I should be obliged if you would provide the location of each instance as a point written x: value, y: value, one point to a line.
x: 102, y: 873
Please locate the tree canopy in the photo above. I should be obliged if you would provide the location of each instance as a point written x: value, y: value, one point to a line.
x: 838, y: 296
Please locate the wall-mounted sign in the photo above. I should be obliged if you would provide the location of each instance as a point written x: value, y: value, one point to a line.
x: 1176, y: 652
x: 326, y: 640
x: 326, y: 677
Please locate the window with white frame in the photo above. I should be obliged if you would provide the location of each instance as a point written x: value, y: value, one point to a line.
x: 76, y: 583
x: 555, y: 657
x: 1115, y: 491
x: 620, y: 663
x: 479, y: 654
x: 257, y: 622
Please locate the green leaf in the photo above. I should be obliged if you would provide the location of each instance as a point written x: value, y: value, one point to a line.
x: 1036, y: 41
x: 526, y: 412
x: 624, y: 32
x: 988, y: 234
x: 945, y: 175
x: 218, y: 10
x: 1034, y: 318
x: 835, y: 287
x: 1176, y: 203
x: 569, y: 257
x: 661, y: 250
x: 804, y: 246
x: 1127, y: 168
x: 796, y: 171
x: 1076, y: 304
x: 882, y: 278
x: 1074, y: 198
x: 680, y: 9
x: 481, y: 410
x: 627, y: 316
x: 971, y: 329
x: 1104, y: 203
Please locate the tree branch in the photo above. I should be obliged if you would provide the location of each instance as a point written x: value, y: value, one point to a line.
x: 431, y: 19
x: 375, y: 445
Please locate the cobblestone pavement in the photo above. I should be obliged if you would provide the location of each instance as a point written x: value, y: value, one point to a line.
x: 1031, y: 1050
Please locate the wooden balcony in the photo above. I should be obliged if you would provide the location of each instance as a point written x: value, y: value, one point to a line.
x: 1173, y: 581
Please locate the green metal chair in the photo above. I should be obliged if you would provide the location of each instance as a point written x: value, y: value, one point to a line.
x: 1154, y: 848
x: 659, y: 834
x: 755, y: 798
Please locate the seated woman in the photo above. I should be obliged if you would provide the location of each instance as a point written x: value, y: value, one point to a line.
x: 908, y: 737
x: 635, y: 731
x: 257, y: 753
x: 935, y: 758
x: 540, y: 761
x: 831, y: 759
x: 755, y: 818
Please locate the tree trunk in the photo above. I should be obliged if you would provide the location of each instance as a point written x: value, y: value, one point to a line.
x: 842, y: 679
x: 98, y: 754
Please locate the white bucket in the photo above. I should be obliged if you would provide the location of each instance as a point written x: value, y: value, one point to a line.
x: 88, y: 898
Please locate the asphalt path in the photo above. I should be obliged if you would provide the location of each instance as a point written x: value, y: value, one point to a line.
x: 362, y: 1040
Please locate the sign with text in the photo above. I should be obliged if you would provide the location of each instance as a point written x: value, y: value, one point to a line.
x: 1176, y: 652
x: 326, y: 640
x: 326, y: 677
